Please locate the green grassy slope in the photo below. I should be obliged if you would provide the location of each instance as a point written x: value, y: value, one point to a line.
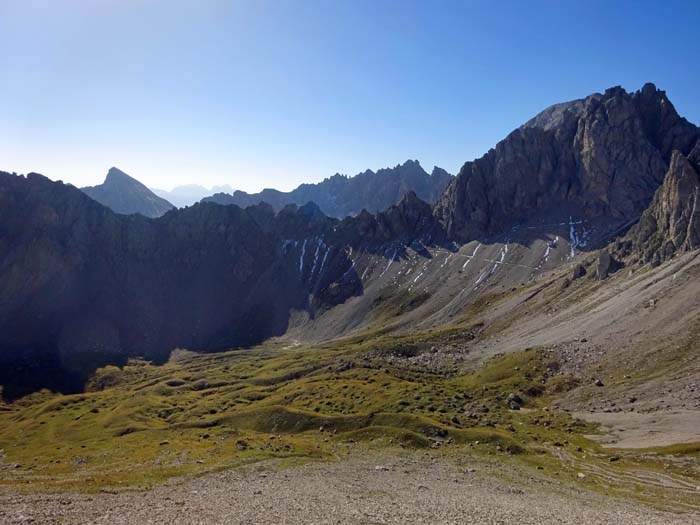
x: 143, y: 424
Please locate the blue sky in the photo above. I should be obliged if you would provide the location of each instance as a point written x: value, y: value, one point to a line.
x: 274, y: 93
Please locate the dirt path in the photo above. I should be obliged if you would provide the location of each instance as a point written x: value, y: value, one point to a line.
x: 360, y: 489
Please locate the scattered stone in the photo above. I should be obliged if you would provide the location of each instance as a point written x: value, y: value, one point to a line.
x: 515, y: 398
x: 606, y: 265
x: 578, y: 272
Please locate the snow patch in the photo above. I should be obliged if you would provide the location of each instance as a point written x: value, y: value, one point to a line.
x: 476, y: 249
x: 319, y: 243
x: 445, y: 261
x: 481, y: 277
x: 323, y: 261
x: 364, y: 273
x: 390, y: 262
x: 301, y: 258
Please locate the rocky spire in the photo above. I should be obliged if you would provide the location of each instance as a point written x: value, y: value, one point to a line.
x: 671, y: 224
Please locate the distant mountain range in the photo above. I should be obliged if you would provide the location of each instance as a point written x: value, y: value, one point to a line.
x: 125, y: 195
x: 337, y: 196
x: 341, y: 196
x: 189, y: 194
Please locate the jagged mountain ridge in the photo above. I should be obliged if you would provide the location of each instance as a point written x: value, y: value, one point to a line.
x: 671, y: 224
x: 602, y: 157
x: 340, y: 196
x: 166, y: 283
x: 124, y: 194
x: 83, y: 286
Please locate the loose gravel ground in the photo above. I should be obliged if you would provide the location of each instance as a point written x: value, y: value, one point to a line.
x: 363, y: 488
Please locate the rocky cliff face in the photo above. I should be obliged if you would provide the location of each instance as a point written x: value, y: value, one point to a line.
x: 600, y: 158
x: 671, y: 224
x: 83, y: 286
x: 340, y: 196
x: 124, y: 194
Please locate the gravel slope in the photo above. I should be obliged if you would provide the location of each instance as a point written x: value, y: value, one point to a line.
x: 359, y: 489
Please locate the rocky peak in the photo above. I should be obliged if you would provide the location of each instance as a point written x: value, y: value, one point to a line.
x: 409, y: 218
x: 411, y: 164
x: 600, y: 158
x: 410, y: 199
x: 662, y: 125
x: 439, y: 172
x: 555, y: 115
x: 126, y: 195
x: 298, y: 222
x: 117, y: 176
x: 671, y: 224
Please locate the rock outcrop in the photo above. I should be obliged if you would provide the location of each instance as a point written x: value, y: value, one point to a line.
x: 124, y: 194
x: 671, y: 224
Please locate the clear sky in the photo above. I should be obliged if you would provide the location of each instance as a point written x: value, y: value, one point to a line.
x: 273, y: 93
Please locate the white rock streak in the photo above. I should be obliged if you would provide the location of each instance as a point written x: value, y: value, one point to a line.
x: 476, y: 249
x: 301, y: 258
x: 481, y: 278
x: 348, y: 270
x: 445, y: 261
x: 390, y: 261
x: 574, y: 239
x: 323, y: 261
x: 363, y: 273
x: 318, y: 247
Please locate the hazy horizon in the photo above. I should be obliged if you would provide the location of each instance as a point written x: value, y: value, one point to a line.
x: 274, y: 94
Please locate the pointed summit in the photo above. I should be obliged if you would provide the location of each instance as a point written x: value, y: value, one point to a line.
x: 124, y: 194
x: 116, y: 175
